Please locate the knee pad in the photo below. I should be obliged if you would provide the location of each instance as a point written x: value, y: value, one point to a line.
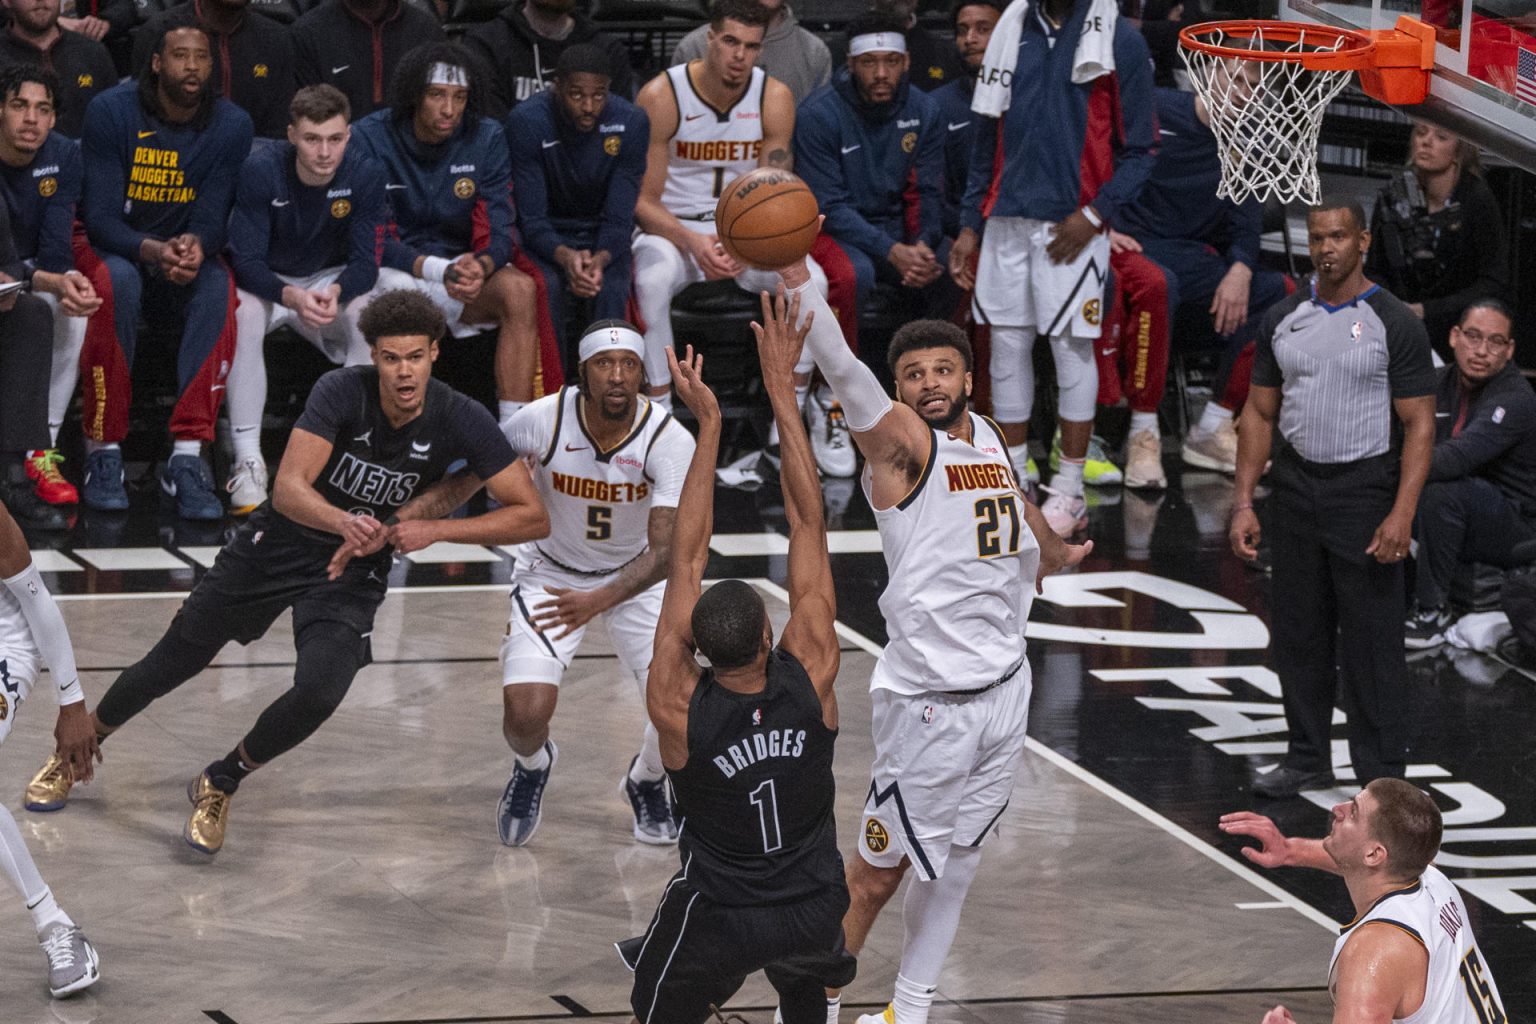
x: 1013, y: 373
x: 1077, y: 377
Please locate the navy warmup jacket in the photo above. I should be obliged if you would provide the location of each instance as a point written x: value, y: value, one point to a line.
x: 952, y: 103
x: 41, y: 198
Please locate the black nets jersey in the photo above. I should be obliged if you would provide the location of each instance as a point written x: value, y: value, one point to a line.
x: 375, y: 468
x: 757, y: 792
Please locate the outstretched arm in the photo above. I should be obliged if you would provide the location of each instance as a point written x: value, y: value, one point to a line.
x: 1275, y: 850
x: 674, y: 672
x: 810, y: 634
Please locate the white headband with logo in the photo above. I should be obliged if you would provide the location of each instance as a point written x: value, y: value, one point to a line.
x: 877, y: 42
x: 608, y: 338
x: 448, y: 74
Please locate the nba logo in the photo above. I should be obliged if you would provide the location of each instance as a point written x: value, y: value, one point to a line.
x: 928, y: 714
x: 757, y: 716
x: 1355, y: 330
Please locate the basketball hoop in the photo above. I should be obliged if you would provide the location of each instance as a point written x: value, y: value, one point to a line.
x: 1266, y: 85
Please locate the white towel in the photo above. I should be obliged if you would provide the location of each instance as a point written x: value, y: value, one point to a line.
x: 1095, y: 54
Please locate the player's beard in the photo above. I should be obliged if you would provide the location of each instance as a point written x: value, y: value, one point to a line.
x: 949, y: 417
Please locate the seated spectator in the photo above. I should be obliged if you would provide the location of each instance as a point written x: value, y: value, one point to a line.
x: 355, y: 45
x: 1480, y: 500
x: 303, y: 240
x: 40, y: 175
x: 447, y: 178
x: 934, y: 62
x: 974, y: 21
x: 1208, y: 249
x: 791, y: 53
x: 1437, y: 240
x: 522, y: 46
x: 578, y: 155
x: 252, y: 57
x: 872, y: 150
x: 161, y: 158
x: 25, y: 339
x: 109, y: 22
x: 81, y: 64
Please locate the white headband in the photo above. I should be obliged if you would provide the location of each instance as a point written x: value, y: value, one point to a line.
x: 607, y: 338
x: 447, y: 74
x: 877, y: 42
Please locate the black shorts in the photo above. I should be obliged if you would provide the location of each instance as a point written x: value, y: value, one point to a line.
x: 697, y: 953
x: 257, y: 576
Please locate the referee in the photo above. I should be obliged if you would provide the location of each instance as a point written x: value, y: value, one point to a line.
x: 1339, y: 366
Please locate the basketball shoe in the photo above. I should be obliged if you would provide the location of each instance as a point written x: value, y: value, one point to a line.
x: 47, y: 482
x: 247, y: 486
x: 518, y: 811
x: 49, y: 788
x: 1098, y: 471
x: 886, y: 1016
x: 1065, y: 513
x: 1144, y: 461
x: 72, y: 961
x: 1426, y: 627
x: 103, y: 489
x: 1216, y: 449
x: 831, y: 440
x: 652, y: 807
x: 187, y: 483
x: 210, y: 815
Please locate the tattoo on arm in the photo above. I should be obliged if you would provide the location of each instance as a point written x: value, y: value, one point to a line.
x: 442, y: 497
x: 777, y: 158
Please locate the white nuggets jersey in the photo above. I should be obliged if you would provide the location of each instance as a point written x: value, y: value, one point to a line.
x: 599, y: 501
x: 1458, y: 989
x: 20, y: 660
x: 711, y: 148
x: 962, y: 564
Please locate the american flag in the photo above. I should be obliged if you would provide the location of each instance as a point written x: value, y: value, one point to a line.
x: 1525, y: 75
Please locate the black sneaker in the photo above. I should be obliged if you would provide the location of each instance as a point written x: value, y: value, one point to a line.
x: 1285, y: 782
x: 1426, y: 627
x: 29, y: 510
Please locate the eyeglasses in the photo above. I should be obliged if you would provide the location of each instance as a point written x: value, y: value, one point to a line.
x: 1487, y: 342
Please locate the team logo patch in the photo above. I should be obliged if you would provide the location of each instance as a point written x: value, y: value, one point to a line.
x: 5, y: 708
x: 875, y: 836
x: 611, y: 145
x: 340, y: 208
x: 47, y: 186
x: 936, y: 73
x: 85, y: 81
x: 909, y: 142
x: 260, y: 71
x: 464, y: 188
x: 1091, y: 312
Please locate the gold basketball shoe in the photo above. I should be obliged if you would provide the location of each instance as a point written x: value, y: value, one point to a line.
x: 210, y: 815
x: 49, y: 788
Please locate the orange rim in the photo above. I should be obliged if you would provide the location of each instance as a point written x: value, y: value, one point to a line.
x: 1339, y: 49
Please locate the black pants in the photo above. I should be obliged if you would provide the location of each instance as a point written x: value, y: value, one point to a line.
x: 1337, y: 614
x: 249, y: 586
x: 26, y: 360
x: 1462, y: 521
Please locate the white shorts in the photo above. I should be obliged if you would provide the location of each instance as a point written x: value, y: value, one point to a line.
x: 331, y: 340
x: 453, y: 309
x: 943, y: 771
x: 1017, y: 285
x: 18, y: 673
x: 528, y: 656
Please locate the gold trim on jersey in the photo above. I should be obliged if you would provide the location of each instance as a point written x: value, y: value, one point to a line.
x: 554, y: 439
x: 661, y: 428
x: 605, y: 454
x: 720, y: 115
x: 1412, y: 932
x: 1407, y: 890
x: 933, y: 457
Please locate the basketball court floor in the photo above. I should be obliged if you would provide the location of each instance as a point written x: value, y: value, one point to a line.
x: 362, y: 882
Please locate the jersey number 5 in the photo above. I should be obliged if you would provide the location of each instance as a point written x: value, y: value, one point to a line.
x: 990, y: 513
x: 1484, y: 1003
x: 599, y: 522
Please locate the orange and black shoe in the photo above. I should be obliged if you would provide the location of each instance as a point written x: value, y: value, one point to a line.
x: 47, y: 482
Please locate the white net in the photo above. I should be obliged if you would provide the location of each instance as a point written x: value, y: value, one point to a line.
x: 1266, y: 114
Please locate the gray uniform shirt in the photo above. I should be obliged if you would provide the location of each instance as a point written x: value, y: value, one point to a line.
x: 1338, y: 369
x: 790, y: 53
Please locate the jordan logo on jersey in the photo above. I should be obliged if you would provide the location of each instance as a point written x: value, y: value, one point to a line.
x: 372, y: 483
x: 759, y: 747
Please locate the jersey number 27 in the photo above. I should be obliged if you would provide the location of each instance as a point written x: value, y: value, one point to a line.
x: 997, y: 526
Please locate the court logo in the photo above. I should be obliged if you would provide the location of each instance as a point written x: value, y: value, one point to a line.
x: 464, y: 188
x: 1091, y: 312
x: 875, y: 836
x: 48, y: 186
x: 909, y: 142
x: 611, y: 145
x: 340, y: 208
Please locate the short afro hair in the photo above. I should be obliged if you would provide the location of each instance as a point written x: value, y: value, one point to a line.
x: 400, y: 313
x: 1341, y: 202
x: 748, y: 12
x: 583, y: 58
x: 921, y: 334
x: 728, y: 624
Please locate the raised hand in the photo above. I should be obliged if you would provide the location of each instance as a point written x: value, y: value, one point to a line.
x: 688, y: 382
x: 779, y: 342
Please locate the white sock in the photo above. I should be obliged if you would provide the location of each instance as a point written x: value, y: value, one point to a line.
x: 192, y: 448
x: 1144, y: 421
x: 506, y: 409
x: 1212, y: 417
x: 1069, y: 478
x: 534, y: 762
x: 92, y: 447
x: 912, y: 1001
x: 930, y: 913
x: 247, y: 441
x: 46, y: 913
x: 1019, y: 453
x: 53, y: 434
x: 17, y: 865
x: 648, y: 766
x: 834, y: 1005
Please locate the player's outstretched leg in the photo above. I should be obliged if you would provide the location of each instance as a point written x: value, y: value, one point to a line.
x: 72, y: 962
x: 526, y: 711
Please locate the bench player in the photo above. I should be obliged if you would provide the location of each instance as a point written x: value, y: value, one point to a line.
x: 951, y: 690
x: 32, y: 630
x: 363, y: 470
x: 748, y: 744
x: 610, y: 467
x: 1425, y: 965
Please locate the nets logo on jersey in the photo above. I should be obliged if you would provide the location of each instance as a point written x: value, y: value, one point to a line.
x: 875, y: 836
x: 611, y: 145
x: 372, y: 483
x: 340, y: 208
x: 48, y: 186
x: 464, y: 188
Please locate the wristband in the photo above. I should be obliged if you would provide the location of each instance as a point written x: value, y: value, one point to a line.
x: 433, y: 268
x: 1093, y: 217
x: 1242, y: 508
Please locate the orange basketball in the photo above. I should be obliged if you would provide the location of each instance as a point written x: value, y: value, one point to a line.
x: 766, y: 219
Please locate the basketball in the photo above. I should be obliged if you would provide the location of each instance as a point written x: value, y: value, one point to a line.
x: 767, y: 219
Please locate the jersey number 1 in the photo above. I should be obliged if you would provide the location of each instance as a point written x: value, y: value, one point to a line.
x: 766, y: 800
x: 719, y: 181
x: 990, y: 526
x: 1484, y: 1003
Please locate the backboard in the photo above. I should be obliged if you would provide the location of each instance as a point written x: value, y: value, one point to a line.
x: 1484, y: 82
